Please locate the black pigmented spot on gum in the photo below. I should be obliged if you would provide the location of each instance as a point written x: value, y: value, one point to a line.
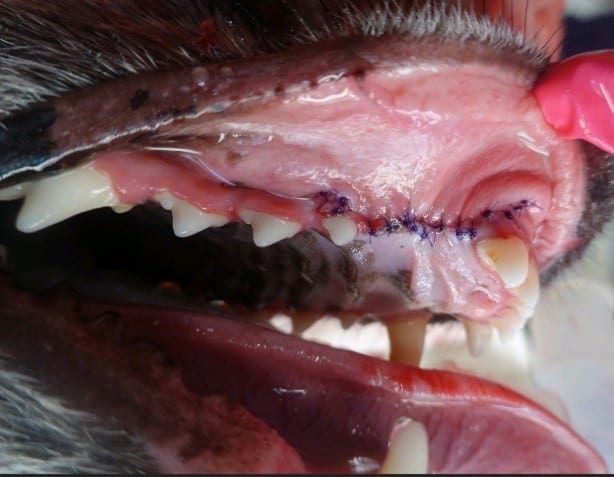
x: 139, y: 98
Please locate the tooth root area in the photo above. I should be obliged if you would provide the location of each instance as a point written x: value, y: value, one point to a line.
x: 342, y: 230
x: 508, y: 256
x: 408, y: 452
x: 56, y: 198
x: 479, y: 337
x: 15, y: 192
x: 268, y: 229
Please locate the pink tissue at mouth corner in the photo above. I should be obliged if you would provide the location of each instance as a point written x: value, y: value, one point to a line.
x: 576, y: 97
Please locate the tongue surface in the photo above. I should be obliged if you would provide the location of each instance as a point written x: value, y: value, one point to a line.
x: 337, y: 407
x: 577, y: 98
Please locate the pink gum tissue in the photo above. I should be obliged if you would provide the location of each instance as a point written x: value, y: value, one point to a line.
x: 576, y: 97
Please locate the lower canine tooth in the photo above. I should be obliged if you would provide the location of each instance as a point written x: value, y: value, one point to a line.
x: 268, y: 229
x: 407, y: 340
x: 56, y: 198
x: 341, y: 229
x: 408, y: 452
x: 508, y: 256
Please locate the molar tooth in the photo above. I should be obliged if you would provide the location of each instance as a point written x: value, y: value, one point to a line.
x: 508, y: 256
x: 268, y: 229
x: 342, y: 230
x: 407, y: 339
x: 408, y: 452
x: 56, y: 198
x: 16, y: 191
x: 479, y: 336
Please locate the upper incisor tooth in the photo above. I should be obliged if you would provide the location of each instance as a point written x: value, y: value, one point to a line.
x: 342, y: 230
x: 268, y: 229
x: 56, y: 198
x: 408, y: 452
x: 508, y: 256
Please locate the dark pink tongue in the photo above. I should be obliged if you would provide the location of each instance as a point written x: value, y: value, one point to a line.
x: 577, y: 98
x: 336, y: 407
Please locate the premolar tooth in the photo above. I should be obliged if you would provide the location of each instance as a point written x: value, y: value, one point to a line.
x: 14, y: 192
x: 187, y: 218
x: 268, y: 229
x: 166, y: 199
x: 479, y: 336
x: 56, y: 198
x: 407, y: 339
x: 122, y: 208
x: 408, y: 452
x: 341, y: 229
x: 508, y: 256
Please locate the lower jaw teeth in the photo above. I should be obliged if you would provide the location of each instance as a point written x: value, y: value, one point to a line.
x: 408, y: 450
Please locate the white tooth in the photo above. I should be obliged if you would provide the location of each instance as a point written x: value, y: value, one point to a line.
x: 479, y: 336
x: 165, y: 199
x: 341, y: 229
x: 268, y: 229
x: 407, y: 340
x: 508, y: 256
x: 508, y: 325
x: 189, y: 220
x: 122, y: 208
x: 14, y: 192
x: 56, y: 198
x: 528, y: 293
x: 408, y: 452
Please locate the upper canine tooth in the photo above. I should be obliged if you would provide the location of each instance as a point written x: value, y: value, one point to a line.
x: 408, y: 452
x: 341, y: 229
x: 508, y: 256
x: 407, y: 339
x: 527, y: 293
x: 187, y: 218
x: 268, y: 229
x: 56, y: 198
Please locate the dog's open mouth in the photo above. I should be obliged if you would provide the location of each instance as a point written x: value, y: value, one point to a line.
x: 180, y: 235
